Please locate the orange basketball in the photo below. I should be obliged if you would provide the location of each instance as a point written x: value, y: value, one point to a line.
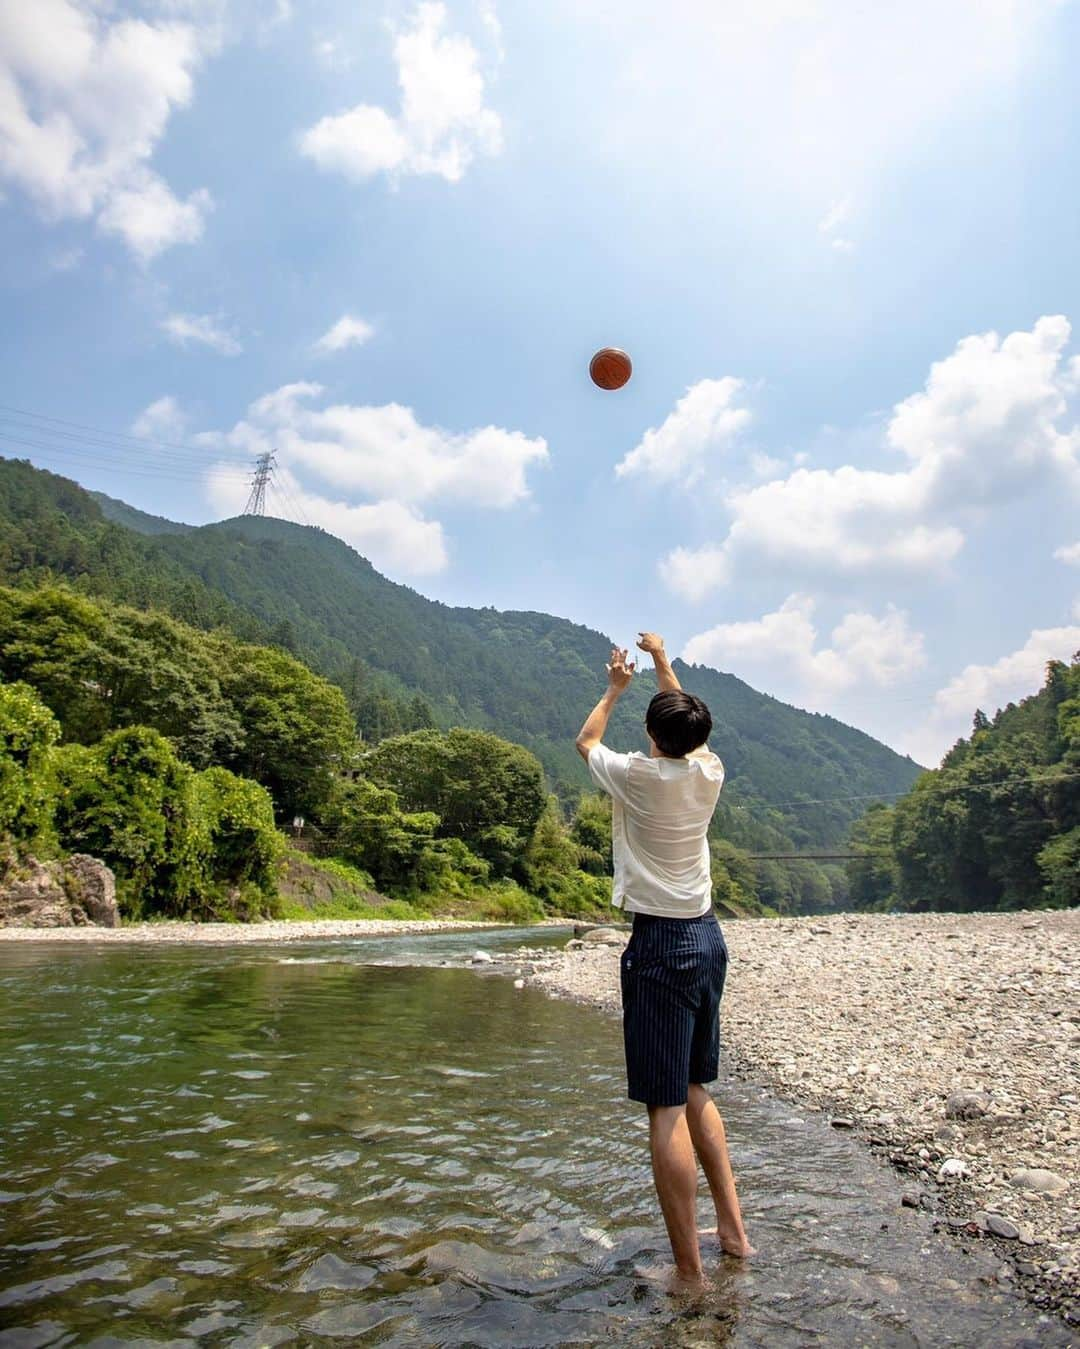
x: 610, y: 368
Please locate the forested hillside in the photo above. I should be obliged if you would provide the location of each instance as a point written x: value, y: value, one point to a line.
x: 997, y: 826
x: 527, y: 676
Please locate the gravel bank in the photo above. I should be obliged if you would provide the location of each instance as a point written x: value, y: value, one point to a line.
x: 229, y: 933
x: 949, y: 1042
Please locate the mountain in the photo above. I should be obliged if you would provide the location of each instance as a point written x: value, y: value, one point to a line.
x: 120, y: 513
x: 529, y: 676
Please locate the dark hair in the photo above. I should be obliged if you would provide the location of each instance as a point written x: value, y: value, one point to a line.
x: 677, y: 722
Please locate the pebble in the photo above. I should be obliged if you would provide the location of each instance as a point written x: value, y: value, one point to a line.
x: 998, y: 1226
x: 952, y: 1168
x: 1042, y: 1182
x: 976, y: 1037
x: 967, y: 1104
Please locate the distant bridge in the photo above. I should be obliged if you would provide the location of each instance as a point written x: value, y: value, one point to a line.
x: 811, y: 856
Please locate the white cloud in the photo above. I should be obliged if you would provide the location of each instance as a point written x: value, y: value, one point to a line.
x: 161, y: 420
x: 331, y: 52
x: 835, y: 216
x: 823, y: 521
x: 1069, y: 554
x: 694, y: 573
x: 393, y: 536
x: 990, y: 425
x: 443, y: 122
x: 836, y: 91
x: 990, y: 687
x: 84, y: 100
x: 781, y: 649
x: 986, y: 424
x: 385, y: 452
x: 704, y: 423
x: 764, y: 465
x: 150, y: 219
x: 829, y: 225
x: 346, y: 332
x: 204, y: 329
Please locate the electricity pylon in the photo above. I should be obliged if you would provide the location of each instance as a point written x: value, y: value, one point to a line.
x: 264, y: 471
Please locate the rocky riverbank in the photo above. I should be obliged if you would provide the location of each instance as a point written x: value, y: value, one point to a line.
x: 949, y: 1042
x: 275, y: 930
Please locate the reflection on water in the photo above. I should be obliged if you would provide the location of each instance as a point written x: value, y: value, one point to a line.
x: 256, y: 1146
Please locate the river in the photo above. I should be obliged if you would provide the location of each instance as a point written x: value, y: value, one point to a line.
x: 353, y: 1141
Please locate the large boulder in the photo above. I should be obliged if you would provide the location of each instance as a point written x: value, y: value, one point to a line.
x: 91, y: 887
x: 78, y: 892
x: 604, y: 936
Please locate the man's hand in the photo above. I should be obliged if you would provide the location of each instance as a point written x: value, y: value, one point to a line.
x: 653, y: 643
x: 619, y: 673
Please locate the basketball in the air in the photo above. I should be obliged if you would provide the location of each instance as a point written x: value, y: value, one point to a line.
x: 610, y: 368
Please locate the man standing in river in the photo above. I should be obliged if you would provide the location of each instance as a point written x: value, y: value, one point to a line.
x: 674, y: 966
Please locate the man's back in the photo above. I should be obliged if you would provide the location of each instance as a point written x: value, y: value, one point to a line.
x: 661, y: 809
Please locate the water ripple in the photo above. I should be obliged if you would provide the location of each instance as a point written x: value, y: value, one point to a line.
x: 244, y: 1149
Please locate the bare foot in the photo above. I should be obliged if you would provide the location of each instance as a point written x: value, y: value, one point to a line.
x: 671, y: 1279
x: 731, y: 1245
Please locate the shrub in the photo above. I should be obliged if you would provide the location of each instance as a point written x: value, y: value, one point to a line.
x: 1059, y: 862
x: 28, y: 732
x: 509, y: 904
x: 481, y: 789
x: 129, y: 801
x: 236, y: 838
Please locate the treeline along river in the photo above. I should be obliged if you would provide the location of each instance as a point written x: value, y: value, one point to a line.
x: 257, y: 1146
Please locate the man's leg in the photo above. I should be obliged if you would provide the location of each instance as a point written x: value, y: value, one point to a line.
x: 676, y: 1176
x: 706, y: 1130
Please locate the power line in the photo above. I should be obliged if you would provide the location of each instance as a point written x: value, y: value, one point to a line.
x: 110, y: 465
x: 111, y: 435
x: 879, y: 796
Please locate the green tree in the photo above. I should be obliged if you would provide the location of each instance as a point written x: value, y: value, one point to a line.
x: 128, y: 800
x: 237, y: 841
x: 1059, y: 863
x: 397, y: 847
x: 590, y: 830
x: 297, y: 733
x: 485, y: 791
x: 28, y: 732
x: 734, y: 880
x: 873, y: 878
x: 100, y: 667
x: 991, y: 828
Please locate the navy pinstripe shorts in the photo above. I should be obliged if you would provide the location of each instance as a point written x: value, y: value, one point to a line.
x: 673, y: 972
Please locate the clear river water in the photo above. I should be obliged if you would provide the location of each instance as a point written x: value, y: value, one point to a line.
x: 351, y: 1141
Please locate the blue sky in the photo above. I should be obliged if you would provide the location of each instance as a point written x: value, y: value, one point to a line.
x: 385, y: 238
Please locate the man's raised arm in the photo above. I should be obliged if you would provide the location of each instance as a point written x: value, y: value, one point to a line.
x: 619, y: 676
x: 665, y: 676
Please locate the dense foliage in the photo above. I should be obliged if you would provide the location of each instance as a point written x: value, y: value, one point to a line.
x: 405, y: 661
x: 28, y: 733
x: 433, y: 818
x: 181, y: 843
x: 217, y: 652
x: 485, y: 791
x: 258, y: 711
x: 997, y: 826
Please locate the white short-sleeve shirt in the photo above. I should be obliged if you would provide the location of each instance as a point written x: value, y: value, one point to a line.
x: 660, y: 813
